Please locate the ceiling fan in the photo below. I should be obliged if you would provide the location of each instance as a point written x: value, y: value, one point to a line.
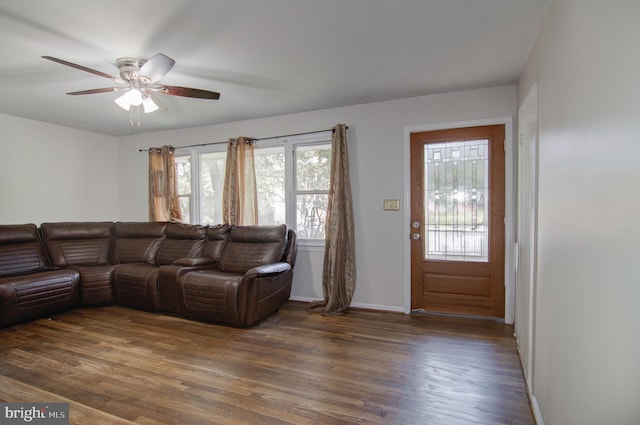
x: 140, y: 81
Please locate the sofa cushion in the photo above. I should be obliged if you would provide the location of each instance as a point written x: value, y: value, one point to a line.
x: 137, y: 242
x: 182, y: 241
x: 136, y: 285
x: 252, y: 246
x: 27, y: 297
x: 214, y: 296
x: 21, y: 250
x: 95, y: 284
x: 216, y: 240
x: 71, y: 244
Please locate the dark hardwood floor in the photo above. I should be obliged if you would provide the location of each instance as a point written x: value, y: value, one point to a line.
x: 121, y: 366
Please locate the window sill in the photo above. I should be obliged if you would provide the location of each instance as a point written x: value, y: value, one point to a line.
x: 310, y: 245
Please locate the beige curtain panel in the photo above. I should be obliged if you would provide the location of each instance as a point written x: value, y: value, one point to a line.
x: 239, y: 195
x: 163, y: 185
x: 339, y: 269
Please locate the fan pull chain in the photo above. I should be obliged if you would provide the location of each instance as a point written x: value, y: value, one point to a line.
x: 137, y: 108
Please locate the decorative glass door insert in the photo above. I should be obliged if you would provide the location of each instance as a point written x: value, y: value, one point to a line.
x: 456, y: 182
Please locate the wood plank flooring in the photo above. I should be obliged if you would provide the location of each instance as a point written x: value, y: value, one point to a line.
x: 121, y: 366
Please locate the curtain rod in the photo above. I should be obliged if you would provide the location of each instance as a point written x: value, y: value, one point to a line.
x: 255, y: 140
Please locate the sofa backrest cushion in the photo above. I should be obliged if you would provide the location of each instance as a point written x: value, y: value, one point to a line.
x: 21, y: 250
x: 182, y: 241
x: 217, y: 236
x: 137, y: 242
x: 252, y: 246
x: 291, y: 251
x: 77, y: 243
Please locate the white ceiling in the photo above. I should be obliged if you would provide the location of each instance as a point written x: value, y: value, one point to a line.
x: 265, y: 57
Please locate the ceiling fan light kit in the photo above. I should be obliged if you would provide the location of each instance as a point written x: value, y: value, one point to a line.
x: 149, y: 105
x: 140, y: 77
x: 131, y: 97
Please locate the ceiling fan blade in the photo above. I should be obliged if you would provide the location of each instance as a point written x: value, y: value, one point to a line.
x: 94, y: 91
x: 156, y: 67
x: 189, y: 92
x: 82, y: 68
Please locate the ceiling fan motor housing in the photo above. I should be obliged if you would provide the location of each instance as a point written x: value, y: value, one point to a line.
x: 129, y: 68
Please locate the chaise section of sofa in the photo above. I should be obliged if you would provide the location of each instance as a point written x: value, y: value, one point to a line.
x: 29, y: 287
x: 251, y: 280
x: 85, y: 247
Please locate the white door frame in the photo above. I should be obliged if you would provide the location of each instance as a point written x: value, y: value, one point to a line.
x: 509, y: 206
x: 526, y: 286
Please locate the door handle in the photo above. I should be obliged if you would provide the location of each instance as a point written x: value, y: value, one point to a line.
x: 415, y: 236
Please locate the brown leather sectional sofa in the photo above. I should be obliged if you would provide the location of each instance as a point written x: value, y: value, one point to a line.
x: 233, y: 275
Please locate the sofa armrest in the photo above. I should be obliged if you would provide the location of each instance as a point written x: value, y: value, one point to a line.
x: 267, y: 288
x: 193, y: 262
x: 267, y: 270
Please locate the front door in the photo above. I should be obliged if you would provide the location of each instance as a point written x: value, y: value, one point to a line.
x: 457, y: 221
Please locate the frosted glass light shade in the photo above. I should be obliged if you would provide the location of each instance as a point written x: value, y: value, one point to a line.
x: 149, y: 105
x: 134, y: 97
x: 131, y: 97
x: 123, y: 102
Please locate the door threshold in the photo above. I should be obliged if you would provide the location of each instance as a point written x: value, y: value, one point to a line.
x: 423, y: 312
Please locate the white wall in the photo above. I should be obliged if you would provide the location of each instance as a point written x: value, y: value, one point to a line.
x: 587, y: 331
x: 376, y: 156
x: 53, y: 173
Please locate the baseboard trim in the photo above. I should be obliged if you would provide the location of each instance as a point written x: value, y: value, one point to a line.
x: 302, y: 299
x: 357, y: 305
x: 533, y: 401
x: 537, y: 414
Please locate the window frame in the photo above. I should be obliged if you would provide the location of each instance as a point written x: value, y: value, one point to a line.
x: 289, y: 143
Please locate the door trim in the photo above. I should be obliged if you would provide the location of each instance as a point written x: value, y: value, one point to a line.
x: 528, y: 122
x: 509, y: 206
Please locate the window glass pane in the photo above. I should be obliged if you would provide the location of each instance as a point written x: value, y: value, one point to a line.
x: 270, y: 177
x: 183, y: 176
x: 311, y: 211
x: 212, y: 166
x: 456, y: 200
x: 313, y: 165
x: 185, y: 208
x: 183, y: 172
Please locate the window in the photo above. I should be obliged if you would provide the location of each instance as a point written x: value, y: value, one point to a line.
x: 312, y: 173
x: 292, y: 179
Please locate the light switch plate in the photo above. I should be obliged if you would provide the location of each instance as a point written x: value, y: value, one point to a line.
x: 391, y: 205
